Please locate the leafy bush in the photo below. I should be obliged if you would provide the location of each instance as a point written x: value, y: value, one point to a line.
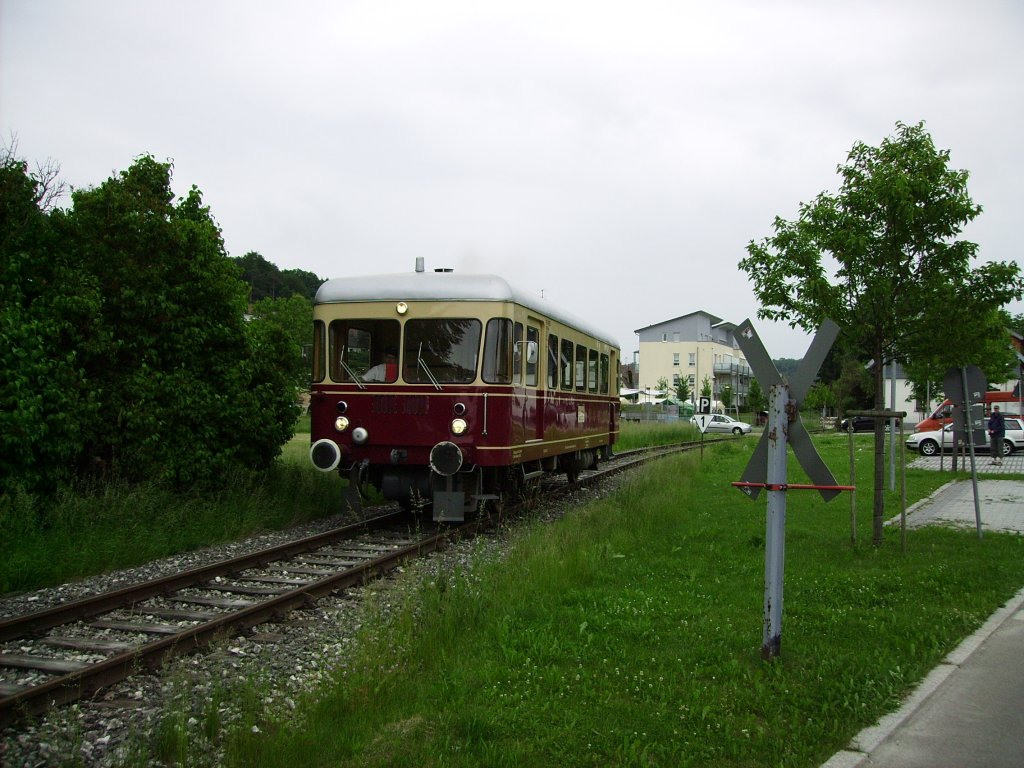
x: 126, y: 353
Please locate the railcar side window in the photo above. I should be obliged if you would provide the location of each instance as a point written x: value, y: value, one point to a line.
x: 498, y: 351
x: 552, y: 361
x: 441, y: 351
x: 581, y: 368
x: 357, y: 345
x: 319, y: 350
x: 532, y: 338
x: 604, y: 374
x: 592, y: 371
x: 566, y: 364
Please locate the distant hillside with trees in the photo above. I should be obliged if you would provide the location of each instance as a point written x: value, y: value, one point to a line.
x: 267, y: 281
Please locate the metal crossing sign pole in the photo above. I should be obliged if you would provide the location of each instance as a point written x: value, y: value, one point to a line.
x: 767, y: 467
x: 966, y: 386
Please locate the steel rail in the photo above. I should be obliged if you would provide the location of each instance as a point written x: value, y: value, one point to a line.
x: 87, y: 681
x: 39, y: 621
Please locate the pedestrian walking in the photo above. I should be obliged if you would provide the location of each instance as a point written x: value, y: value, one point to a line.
x: 996, y: 433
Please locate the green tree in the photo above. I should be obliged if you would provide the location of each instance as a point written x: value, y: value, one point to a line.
x: 124, y: 349
x: 683, y: 389
x: 896, y: 277
x: 266, y: 281
x: 705, y: 387
x: 662, y: 384
x: 48, y: 314
x: 725, y: 395
x: 185, y: 396
x: 992, y: 353
x: 821, y: 397
x: 294, y: 317
x: 755, y: 397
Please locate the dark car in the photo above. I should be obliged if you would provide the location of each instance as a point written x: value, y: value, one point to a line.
x: 860, y: 424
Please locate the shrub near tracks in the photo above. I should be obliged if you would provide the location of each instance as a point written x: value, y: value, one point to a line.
x: 629, y: 633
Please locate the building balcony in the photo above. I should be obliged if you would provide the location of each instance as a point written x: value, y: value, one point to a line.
x: 732, y: 369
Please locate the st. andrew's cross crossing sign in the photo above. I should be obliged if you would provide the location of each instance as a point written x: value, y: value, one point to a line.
x: 767, y: 467
x: 791, y: 428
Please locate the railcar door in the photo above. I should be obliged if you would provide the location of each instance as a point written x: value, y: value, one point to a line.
x: 533, y: 406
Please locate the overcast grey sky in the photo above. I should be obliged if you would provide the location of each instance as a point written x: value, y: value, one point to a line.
x: 616, y: 157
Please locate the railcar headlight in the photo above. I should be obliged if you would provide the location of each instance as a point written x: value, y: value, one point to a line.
x: 458, y: 426
x: 341, y: 423
x: 360, y: 435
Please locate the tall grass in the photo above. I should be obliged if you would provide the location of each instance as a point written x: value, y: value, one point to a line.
x: 634, y: 435
x: 47, y: 541
x: 629, y: 634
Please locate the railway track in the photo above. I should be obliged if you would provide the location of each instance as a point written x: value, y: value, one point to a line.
x: 72, y: 651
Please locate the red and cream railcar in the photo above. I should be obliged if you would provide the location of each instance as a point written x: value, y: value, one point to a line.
x: 449, y: 389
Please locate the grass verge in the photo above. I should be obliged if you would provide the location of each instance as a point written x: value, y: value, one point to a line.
x: 629, y: 634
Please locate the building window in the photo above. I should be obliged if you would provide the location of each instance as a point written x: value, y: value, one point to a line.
x: 693, y: 359
x: 675, y: 380
x: 675, y: 359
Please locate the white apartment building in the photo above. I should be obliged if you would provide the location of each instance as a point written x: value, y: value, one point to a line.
x: 695, y: 346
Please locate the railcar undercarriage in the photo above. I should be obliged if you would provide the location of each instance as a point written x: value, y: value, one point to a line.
x: 451, y: 497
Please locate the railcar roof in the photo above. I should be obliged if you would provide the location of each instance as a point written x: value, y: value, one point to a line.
x: 446, y: 286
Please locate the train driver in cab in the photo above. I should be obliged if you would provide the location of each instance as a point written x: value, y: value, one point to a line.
x: 387, y: 370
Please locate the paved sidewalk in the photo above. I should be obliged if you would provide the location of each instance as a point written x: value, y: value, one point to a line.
x: 969, y: 711
x: 1012, y: 465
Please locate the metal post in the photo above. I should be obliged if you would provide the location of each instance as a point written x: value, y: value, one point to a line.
x: 969, y: 436
x: 892, y: 426
x: 903, y: 492
x: 775, y: 525
x: 853, y: 482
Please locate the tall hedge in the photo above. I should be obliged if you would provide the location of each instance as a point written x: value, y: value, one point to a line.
x: 137, y: 362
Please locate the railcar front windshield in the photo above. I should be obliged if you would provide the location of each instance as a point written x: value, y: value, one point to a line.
x: 441, y: 351
x: 361, y: 350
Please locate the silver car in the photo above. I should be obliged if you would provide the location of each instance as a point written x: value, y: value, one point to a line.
x: 726, y: 425
x: 930, y: 443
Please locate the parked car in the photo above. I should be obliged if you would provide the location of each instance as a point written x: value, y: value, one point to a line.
x: 726, y: 424
x: 861, y: 424
x: 930, y: 443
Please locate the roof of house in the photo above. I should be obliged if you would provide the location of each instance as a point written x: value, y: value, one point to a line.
x: 715, y: 320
